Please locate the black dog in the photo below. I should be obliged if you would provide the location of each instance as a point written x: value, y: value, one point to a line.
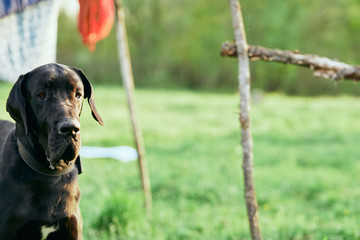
x: 39, y: 162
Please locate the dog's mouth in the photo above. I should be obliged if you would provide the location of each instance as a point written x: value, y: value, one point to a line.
x: 63, y: 156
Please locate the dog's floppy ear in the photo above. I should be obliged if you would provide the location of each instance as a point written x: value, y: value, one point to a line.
x: 88, y: 91
x: 16, y: 103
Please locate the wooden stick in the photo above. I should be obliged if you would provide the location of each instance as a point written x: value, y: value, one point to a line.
x: 322, y: 66
x: 246, y: 138
x: 128, y: 82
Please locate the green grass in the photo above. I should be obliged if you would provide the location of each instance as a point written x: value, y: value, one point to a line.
x: 306, y: 167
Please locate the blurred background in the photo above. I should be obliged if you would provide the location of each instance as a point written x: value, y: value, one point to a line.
x: 306, y: 153
x: 176, y: 44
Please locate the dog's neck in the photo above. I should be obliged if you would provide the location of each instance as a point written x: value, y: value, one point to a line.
x: 31, y: 144
x: 34, y: 155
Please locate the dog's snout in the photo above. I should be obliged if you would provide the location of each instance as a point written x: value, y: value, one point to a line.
x: 69, y: 128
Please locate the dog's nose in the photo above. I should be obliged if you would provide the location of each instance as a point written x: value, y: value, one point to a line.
x: 69, y: 128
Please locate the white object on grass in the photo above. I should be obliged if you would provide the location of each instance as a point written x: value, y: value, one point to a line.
x: 121, y: 153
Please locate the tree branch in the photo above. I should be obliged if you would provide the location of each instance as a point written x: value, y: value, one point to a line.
x: 246, y: 138
x: 322, y: 66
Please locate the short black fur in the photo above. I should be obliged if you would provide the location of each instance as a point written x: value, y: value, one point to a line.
x: 46, y: 107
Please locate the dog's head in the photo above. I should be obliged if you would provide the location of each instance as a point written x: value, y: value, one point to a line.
x: 47, y: 102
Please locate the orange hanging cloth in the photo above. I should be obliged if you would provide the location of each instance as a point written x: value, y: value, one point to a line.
x: 96, y: 18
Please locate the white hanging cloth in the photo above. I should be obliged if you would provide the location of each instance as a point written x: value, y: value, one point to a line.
x: 28, y: 38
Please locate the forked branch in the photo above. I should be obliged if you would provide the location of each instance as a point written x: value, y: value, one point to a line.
x: 322, y: 66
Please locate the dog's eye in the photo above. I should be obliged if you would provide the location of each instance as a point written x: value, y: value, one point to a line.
x: 78, y: 95
x: 41, y: 95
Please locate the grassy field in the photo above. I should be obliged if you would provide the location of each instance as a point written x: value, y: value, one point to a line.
x: 306, y: 161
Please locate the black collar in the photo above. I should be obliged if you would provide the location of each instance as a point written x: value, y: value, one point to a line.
x: 47, y: 171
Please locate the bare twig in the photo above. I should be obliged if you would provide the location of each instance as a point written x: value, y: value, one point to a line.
x: 322, y: 66
x: 246, y: 139
x: 128, y: 82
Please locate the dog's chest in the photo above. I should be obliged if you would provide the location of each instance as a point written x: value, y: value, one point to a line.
x: 47, y: 202
x: 58, y: 203
x: 43, y: 214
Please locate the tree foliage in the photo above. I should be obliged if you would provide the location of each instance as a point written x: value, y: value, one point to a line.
x: 177, y: 43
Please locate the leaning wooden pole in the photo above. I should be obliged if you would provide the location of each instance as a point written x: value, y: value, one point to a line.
x: 246, y: 139
x: 128, y: 82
